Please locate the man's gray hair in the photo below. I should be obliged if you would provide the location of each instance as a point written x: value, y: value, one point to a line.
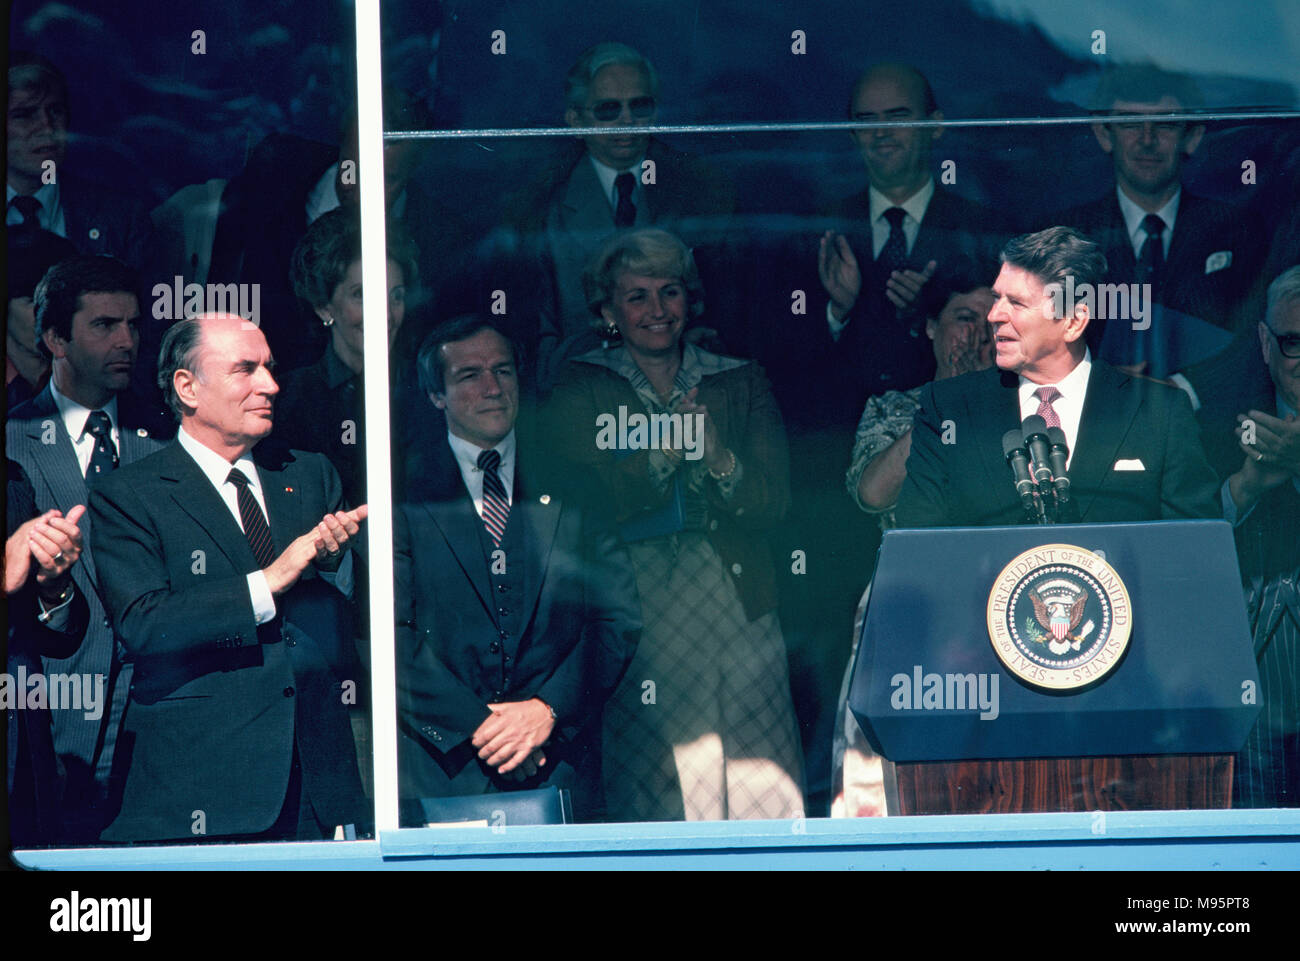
x: 180, y: 351
x: 1284, y: 289
x: 597, y: 58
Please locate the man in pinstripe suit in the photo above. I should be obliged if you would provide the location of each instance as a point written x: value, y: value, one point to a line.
x: 84, y: 424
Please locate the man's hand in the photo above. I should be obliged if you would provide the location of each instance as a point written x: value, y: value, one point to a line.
x: 840, y: 275
x: 323, y: 544
x: 1277, y: 441
x: 510, y: 738
x: 53, y: 541
x: 904, y: 286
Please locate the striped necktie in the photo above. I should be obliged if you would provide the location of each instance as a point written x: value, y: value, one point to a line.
x: 496, y: 506
x: 256, y: 528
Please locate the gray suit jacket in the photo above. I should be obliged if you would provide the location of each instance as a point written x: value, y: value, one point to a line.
x: 36, y: 438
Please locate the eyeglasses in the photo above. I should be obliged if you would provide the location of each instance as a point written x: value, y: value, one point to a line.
x: 641, y: 108
x: 1164, y: 128
x: 1289, y: 344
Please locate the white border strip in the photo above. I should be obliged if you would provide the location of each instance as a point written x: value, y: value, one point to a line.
x: 374, y: 282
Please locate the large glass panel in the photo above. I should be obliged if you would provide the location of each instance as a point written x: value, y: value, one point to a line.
x: 651, y: 595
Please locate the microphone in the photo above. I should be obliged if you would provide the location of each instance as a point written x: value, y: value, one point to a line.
x: 1013, y: 449
x: 1059, y: 453
x: 1035, y: 434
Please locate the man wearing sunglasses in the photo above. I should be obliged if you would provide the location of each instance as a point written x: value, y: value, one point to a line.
x: 619, y: 178
x: 1262, y: 500
x: 1190, y: 249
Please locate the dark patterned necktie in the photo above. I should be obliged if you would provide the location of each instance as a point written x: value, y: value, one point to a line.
x: 103, y: 458
x: 1151, y: 261
x: 256, y: 529
x: 496, y: 506
x: 30, y: 208
x: 1046, y: 411
x: 625, y: 211
x: 893, y: 256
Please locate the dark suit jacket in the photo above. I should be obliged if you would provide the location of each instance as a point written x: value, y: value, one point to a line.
x: 967, y: 483
x: 582, y: 617
x: 1204, y: 227
x: 217, y: 702
x: 99, y: 220
x: 86, y: 746
x: 880, y: 350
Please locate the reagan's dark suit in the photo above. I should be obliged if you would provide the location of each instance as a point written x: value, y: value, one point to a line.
x: 563, y: 629
x: 36, y: 438
x: 967, y: 483
x: 217, y: 702
x: 99, y: 220
x: 1207, y: 234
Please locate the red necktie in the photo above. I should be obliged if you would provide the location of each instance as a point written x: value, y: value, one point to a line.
x: 1046, y: 411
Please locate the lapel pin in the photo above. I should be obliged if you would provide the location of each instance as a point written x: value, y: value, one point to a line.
x: 94, y: 233
x: 545, y: 498
x: 288, y: 490
x: 141, y: 432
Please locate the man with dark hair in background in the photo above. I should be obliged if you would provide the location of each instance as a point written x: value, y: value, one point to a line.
x: 81, y: 427
x: 516, y: 614
x: 1196, y: 253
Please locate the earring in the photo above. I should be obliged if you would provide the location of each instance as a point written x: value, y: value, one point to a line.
x: 329, y: 320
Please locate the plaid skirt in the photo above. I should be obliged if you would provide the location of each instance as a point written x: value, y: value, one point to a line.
x: 702, y: 727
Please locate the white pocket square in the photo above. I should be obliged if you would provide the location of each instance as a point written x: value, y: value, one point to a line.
x: 1218, y: 260
x: 1134, y: 464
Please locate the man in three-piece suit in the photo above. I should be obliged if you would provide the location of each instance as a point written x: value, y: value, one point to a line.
x: 1134, y: 450
x: 78, y: 429
x: 601, y: 184
x: 210, y: 552
x: 1196, y: 253
x: 516, y: 616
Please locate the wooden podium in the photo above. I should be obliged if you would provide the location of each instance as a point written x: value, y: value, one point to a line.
x: 1156, y: 730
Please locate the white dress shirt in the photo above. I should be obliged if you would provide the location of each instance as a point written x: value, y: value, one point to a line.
x: 217, y: 469
x: 324, y: 197
x: 51, y: 215
x: 914, y: 207
x: 1069, y: 406
x: 467, y: 454
x: 1134, y: 215
x: 74, y: 421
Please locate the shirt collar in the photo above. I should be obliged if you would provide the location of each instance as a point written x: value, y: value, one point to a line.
x: 915, y: 205
x: 1072, y: 386
x: 215, y: 467
x: 48, y: 195
x: 467, y: 452
x: 74, y: 414
x: 1134, y: 215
